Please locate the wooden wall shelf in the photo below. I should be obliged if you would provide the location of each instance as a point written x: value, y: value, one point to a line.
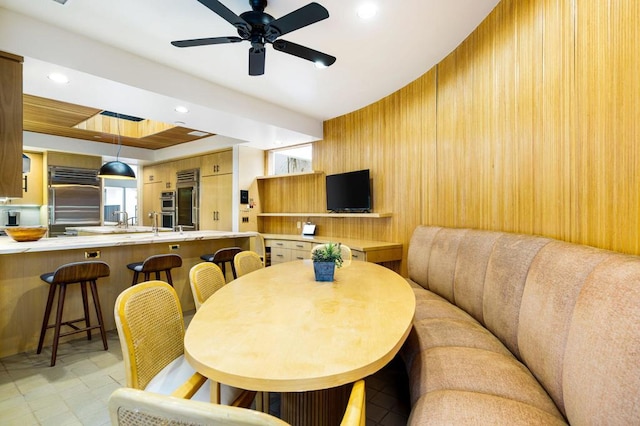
x: 329, y: 215
x: 289, y: 175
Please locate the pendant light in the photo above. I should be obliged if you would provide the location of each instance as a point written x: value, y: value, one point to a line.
x: 116, y: 169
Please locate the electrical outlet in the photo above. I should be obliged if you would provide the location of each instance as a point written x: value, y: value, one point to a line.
x: 298, y: 225
x: 174, y: 247
x: 92, y: 254
x: 245, y: 219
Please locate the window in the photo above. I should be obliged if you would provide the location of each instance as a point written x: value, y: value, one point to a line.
x: 291, y: 160
x: 120, y: 195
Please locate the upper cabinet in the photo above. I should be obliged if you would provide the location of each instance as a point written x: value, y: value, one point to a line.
x: 10, y: 125
x: 154, y: 173
x: 32, y: 182
x: 217, y: 163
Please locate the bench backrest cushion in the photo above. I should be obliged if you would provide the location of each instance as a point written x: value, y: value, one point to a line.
x: 571, y: 313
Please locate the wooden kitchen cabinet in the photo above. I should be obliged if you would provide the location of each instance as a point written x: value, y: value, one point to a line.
x: 217, y: 163
x: 33, y: 194
x: 154, y: 173
x: 151, y: 201
x: 284, y: 248
x: 164, y: 173
x: 10, y: 125
x: 216, y: 202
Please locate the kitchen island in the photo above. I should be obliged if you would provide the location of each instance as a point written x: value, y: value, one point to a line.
x: 23, y: 295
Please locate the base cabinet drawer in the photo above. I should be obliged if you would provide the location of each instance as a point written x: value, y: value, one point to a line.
x: 358, y: 255
x: 280, y: 255
x: 300, y: 254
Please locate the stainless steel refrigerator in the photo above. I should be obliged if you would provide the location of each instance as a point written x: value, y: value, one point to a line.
x: 74, y: 199
x: 187, y: 202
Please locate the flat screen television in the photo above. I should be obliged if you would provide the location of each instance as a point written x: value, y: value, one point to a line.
x: 349, y: 192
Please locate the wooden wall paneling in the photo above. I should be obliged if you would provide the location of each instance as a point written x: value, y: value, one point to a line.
x: 607, y: 87
x: 530, y: 125
x: 554, y: 148
x: 507, y: 180
x: 418, y: 157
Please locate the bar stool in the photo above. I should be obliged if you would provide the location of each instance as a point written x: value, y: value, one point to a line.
x: 222, y: 257
x: 73, y: 273
x: 157, y: 264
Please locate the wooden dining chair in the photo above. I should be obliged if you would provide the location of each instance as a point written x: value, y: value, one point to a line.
x: 345, y: 251
x: 247, y: 261
x: 205, y: 279
x: 356, y: 413
x: 151, y: 331
x: 258, y: 245
x: 133, y: 407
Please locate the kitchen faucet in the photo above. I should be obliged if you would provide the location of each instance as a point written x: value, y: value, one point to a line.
x: 123, y: 218
x: 154, y: 223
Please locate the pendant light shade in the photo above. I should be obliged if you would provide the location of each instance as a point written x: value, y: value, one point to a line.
x: 116, y: 170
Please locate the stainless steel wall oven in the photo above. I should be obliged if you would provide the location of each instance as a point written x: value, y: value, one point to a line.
x: 168, y: 209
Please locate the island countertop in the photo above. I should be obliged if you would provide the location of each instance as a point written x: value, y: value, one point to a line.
x: 9, y: 246
x: 113, y: 229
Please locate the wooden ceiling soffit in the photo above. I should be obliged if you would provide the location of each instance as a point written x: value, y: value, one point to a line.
x: 58, y: 118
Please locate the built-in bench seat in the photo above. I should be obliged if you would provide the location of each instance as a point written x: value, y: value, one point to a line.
x: 519, y: 329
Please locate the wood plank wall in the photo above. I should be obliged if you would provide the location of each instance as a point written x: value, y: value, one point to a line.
x: 530, y: 126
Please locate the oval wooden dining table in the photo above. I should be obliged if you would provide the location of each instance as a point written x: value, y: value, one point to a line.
x: 278, y: 330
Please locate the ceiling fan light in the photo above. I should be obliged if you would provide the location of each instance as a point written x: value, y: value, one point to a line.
x: 116, y: 170
x: 320, y: 64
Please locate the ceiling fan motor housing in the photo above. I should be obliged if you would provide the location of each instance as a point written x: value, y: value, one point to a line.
x: 259, y: 28
x: 258, y: 5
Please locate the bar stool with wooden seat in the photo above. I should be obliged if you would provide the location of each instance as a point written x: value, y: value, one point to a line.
x: 156, y: 264
x: 73, y: 273
x: 222, y: 257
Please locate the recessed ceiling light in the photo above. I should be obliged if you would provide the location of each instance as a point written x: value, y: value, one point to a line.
x: 179, y: 123
x: 182, y: 109
x: 58, y: 78
x: 367, y: 11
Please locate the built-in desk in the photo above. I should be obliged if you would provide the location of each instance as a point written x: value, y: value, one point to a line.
x: 285, y: 248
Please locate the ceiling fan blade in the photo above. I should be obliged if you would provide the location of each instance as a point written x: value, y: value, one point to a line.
x: 304, y: 52
x: 226, y: 14
x: 306, y: 15
x: 256, y: 59
x: 206, y: 41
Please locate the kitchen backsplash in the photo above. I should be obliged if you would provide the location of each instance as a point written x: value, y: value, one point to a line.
x: 29, y: 215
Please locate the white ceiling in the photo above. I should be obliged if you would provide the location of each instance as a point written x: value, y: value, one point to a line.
x: 119, y: 57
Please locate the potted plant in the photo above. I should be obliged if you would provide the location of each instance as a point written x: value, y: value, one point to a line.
x: 325, y: 259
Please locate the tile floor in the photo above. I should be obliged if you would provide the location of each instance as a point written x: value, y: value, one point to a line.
x: 76, y: 390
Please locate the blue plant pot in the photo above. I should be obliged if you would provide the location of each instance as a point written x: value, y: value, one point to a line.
x: 324, y: 270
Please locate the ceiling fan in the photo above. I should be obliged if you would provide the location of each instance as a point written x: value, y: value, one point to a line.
x: 260, y: 28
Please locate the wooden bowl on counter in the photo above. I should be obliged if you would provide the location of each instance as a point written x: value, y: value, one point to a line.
x: 26, y: 233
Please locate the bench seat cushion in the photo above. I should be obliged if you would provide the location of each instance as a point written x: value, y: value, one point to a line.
x: 460, y: 408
